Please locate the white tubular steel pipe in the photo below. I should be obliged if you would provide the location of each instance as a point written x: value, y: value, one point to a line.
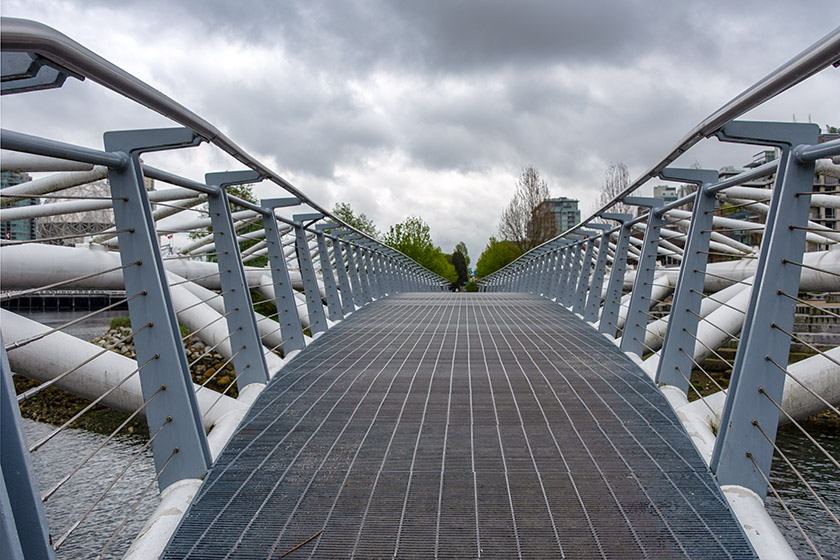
x: 53, y: 183
x: 57, y: 353
x: 18, y: 161
x: 267, y: 328
x: 656, y: 330
x: 74, y: 206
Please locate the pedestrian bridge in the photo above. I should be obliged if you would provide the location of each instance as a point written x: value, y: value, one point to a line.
x: 310, y: 392
x: 460, y: 426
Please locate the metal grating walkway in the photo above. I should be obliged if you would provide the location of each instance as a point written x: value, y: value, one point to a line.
x: 460, y: 426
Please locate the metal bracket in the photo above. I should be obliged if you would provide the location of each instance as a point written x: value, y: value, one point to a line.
x: 245, y: 341
x: 172, y: 413
x: 317, y: 317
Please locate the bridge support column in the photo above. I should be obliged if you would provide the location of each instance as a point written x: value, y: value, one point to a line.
x: 180, y: 446
x: 744, y: 446
x: 675, y: 362
x: 612, y: 299
x: 317, y: 318
x: 245, y: 342
x: 633, y: 334
x: 291, y: 330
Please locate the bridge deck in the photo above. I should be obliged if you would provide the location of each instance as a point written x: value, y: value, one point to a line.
x: 460, y: 426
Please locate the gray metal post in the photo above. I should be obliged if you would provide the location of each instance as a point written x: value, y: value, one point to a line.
x: 633, y: 335
x: 741, y: 450
x: 248, y: 360
x: 583, y: 282
x: 373, y: 271
x: 291, y: 330
x: 333, y: 304
x: 557, y: 275
x: 593, y: 300
x: 571, y: 281
x: 367, y: 294
x: 317, y: 317
x: 24, y: 532
x: 172, y: 412
x: 612, y: 299
x: 352, y: 271
x: 551, y: 262
x: 675, y: 363
x: 346, y: 292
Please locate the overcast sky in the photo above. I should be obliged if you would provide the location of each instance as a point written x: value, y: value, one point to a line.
x: 433, y: 107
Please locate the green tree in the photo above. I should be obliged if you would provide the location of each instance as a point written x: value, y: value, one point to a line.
x: 344, y: 212
x: 461, y: 247
x: 413, y: 238
x: 496, y: 255
x: 460, y: 265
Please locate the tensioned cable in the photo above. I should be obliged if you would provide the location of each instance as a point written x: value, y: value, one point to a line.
x: 714, y: 325
x: 46, y: 496
x: 706, y: 373
x: 136, y: 456
x: 217, y: 319
x: 699, y: 396
x: 814, y: 393
x: 193, y: 279
x: 137, y: 503
x: 784, y: 506
x: 725, y: 304
x: 93, y: 403
x: 803, y: 341
x: 35, y: 390
x: 31, y: 339
x: 710, y: 349
x: 801, y: 428
x: 211, y: 349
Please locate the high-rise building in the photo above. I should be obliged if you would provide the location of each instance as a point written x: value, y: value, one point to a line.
x: 17, y: 230
x: 666, y: 192
x: 565, y: 210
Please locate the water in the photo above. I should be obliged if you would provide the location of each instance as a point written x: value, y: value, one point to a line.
x: 70, y: 503
x: 823, y: 477
x: 60, y: 456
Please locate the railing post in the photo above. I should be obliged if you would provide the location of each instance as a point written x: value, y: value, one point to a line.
x: 548, y: 272
x: 633, y: 335
x: 750, y: 418
x: 248, y: 358
x: 356, y: 282
x: 317, y: 317
x: 291, y: 330
x: 570, y: 285
x: 593, y: 301
x: 24, y: 532
x: 180, y: 447
x: 675, y: 357
x: 333, y: 305
x: 346, y: 293
x: 363, y: 273
x: 557, y: 275
x: 583, y: 280
x: 612, y: 299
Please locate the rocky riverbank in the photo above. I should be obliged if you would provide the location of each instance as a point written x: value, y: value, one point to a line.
x: 58, y: 407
